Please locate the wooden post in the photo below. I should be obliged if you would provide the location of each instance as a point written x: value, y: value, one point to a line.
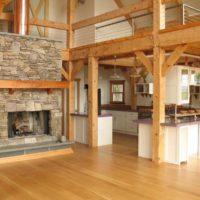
x: 159, y: 85
x: 93, y: 101
x: 133, y: 94
x: 70, y: 44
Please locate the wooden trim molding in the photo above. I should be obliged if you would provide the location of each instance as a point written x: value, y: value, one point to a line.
x: 18, y: 84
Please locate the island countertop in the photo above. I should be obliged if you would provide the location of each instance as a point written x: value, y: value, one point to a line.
x: 79, y: 114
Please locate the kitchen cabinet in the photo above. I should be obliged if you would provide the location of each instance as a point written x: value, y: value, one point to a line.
x: 123, y: 121
x: 81, y: 130
x: 104, y: 129
x: 145, y: 140
x: 193, y: 75
x: 180, y: 141
x: 144, y: 88
x: 177, y: 85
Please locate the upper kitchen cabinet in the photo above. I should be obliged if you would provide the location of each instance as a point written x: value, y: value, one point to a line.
x: 178, y: 82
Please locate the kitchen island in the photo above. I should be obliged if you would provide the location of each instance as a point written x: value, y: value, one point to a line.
x: 181, y: 140
x: 104, y: 129
x: 123, y: 121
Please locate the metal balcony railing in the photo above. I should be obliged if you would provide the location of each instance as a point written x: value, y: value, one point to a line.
x: 190, y: 14
x: 122, y: 27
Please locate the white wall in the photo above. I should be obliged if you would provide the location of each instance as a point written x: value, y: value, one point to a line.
x: 85, y: 35
x: 116, y: 30
x: 104, y: 85
x: 83, y: 80
x: 57, y: 12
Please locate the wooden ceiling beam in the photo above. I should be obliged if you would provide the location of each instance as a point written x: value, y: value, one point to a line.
x: 6, y: 16
x: 125, y: 62
x: 172, y: 1
x: 173, y: 58
x: 145, y: 61
x: 187, y: 34
x: 77, y: 68
x: 114, y: 47
x: 113, y: 14
x: 49, y: 24
x: 65, y: 74
x: 65, y: 54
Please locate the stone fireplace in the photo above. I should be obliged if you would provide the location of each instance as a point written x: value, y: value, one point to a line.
x: 30, y: 112
x: 28, y: 124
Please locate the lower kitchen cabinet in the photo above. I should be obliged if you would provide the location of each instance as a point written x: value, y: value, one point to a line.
x: 123, y: 121
x: 180, y: 142
x: 105, y: 127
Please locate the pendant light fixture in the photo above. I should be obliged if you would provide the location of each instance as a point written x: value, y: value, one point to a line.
x: 115, y: 76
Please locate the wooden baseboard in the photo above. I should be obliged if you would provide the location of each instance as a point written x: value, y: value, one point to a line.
x: 36, y: 156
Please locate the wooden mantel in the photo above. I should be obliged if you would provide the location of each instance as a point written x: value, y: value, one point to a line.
x: 19, y: 84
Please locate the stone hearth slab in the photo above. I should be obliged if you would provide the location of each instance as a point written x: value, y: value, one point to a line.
x: 33, y: 148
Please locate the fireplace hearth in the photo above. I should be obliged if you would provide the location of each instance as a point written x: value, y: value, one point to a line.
x: 22, y: 124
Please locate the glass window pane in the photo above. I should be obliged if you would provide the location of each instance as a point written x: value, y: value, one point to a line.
x: 117, y: 88
x: 193, y: 77
x: 184, y: 84
x: 184, y: 77
x: 184, y: 93
x: 76, y: 96
x: 118, y: 97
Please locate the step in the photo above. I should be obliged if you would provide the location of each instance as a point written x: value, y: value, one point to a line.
x: 33, y: 148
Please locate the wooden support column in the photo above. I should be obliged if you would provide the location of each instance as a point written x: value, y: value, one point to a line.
x: 159, y: 84
x: 134, y: 80
x: 71, y: 105
x: 70, y: 44
x: 93, y: 101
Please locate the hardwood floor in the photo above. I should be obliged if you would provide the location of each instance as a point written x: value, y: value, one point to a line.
x: 111, y: 172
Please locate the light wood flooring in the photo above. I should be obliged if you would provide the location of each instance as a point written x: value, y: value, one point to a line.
x: 111, y: 172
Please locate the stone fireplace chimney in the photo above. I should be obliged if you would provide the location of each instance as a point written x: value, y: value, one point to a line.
x: 21, y: 17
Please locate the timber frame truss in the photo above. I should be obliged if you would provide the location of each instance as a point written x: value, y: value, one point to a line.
x: 174, y: 41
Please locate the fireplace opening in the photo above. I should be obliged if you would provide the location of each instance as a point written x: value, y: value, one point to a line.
x: 22, y: 124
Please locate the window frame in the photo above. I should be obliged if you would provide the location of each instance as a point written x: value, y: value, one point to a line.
x: 117, y: 82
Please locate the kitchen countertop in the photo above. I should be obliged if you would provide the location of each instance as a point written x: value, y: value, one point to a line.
x: 86, y: 115
x: 168, y: 124
x: 115, y: 109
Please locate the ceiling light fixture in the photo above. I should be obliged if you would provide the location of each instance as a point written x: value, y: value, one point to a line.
x: 115, y: 76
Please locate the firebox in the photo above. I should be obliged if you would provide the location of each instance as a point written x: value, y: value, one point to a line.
x: 22, y: 124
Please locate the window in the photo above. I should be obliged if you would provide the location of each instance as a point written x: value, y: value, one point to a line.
x: 77, y: 95
x: 117, y: 92
x: 184, y: 85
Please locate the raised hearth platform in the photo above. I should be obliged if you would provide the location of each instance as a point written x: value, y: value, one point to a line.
x: 24, y: 149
